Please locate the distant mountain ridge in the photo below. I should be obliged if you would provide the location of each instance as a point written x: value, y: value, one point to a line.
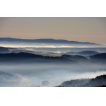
x: 43, y: 41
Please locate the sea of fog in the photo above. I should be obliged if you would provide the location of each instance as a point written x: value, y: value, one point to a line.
x: 33, y: 74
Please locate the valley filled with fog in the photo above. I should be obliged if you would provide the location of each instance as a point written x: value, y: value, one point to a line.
x: 32, y: 71
x: 35, y: 73
x: 52, y: 52
x: 49, y: 64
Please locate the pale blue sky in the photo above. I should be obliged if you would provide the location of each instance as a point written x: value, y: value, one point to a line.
x: 73, y: 29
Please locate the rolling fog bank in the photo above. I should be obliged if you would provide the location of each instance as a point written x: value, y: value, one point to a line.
x: 29, y: 69
x: 34, y: 74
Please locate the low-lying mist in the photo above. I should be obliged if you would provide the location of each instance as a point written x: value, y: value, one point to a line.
x: 33, y: 74
x: 29, y: 66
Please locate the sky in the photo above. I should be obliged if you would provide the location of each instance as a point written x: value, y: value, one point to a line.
x: 86, y: 29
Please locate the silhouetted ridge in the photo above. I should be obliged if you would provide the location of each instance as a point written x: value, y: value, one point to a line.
x: 102, y: 86
x: 74, y: 83
x: 99, y: 56
x: 99, y: 81
x: 23, y: 56
x: 29, y: 55
x: 20, y: 55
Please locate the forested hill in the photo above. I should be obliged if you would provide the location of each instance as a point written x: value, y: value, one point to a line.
x: 99, y: 81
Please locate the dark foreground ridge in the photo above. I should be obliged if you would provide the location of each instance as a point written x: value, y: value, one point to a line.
x: 99, y: 81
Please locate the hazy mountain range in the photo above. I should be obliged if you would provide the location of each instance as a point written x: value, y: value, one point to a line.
x: 15, y: 55
x: 30, y: 57
x: 43, y: 41
x: 15, y: 50
x: 31, y: 65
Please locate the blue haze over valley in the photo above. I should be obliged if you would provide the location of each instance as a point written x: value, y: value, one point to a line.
x: 29, y: 62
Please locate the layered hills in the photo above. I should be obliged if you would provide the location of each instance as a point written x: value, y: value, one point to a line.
x: 62, y: 58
